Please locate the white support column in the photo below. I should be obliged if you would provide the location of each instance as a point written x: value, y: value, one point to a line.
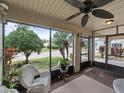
x: 77, y: 50
x: 90, y: 50
x: 1, y: 48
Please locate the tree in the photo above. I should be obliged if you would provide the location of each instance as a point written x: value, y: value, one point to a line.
x: 84, y: 43
x: 24, y: 41
x: 63, y: 40
x: 60, y: 37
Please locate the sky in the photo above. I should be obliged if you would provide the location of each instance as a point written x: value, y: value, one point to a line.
x: 43, y: 33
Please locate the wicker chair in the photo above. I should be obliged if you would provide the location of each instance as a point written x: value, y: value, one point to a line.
x: 41, y: 84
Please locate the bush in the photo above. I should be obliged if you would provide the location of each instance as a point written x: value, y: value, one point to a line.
x: 53, y: 46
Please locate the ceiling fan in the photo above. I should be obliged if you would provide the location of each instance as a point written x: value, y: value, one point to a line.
x: 90, y: 6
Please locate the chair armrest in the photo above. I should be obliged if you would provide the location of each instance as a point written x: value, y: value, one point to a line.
x: 32, y: 86
x: 44, y: 74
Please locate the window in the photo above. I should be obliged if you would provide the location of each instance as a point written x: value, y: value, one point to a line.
x: 30, y: 44
x: 116, y: 50
x: 57, y: 47
x: 99, y: 49
x: 27, y: 44
x: 84, y: 49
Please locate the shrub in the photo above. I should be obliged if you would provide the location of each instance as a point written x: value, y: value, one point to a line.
x: 53, y: 46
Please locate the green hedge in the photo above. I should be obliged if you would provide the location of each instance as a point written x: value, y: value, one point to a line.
x: 53, y: 46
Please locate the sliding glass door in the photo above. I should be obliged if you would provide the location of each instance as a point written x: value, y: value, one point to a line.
x: 84, y: 49
x: 99, y: 49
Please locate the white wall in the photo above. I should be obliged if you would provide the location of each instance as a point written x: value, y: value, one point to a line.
x: 1, y: 62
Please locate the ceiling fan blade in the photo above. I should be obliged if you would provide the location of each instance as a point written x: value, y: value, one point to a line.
x: 75, y: 3
x: 84, y: 20
x: 100, y: 3
x: 73, y: 16
x: 102, y: 14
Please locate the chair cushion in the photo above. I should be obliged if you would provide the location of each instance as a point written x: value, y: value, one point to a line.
x: 41, y: 80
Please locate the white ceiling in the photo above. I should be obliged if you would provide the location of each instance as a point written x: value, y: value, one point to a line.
x: 59, y: 9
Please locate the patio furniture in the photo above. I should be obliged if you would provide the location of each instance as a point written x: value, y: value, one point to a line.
x: 34, y: 81
x: 118, y: 85
x: 4, y: 89
x: 64, y: 72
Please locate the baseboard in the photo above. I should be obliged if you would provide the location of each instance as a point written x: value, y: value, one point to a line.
x: 112, y: 68
x: 56, y: 73
x: 84, y: 65
x: 99, y: 64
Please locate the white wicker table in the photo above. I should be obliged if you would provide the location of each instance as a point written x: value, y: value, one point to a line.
x: 118, y: 85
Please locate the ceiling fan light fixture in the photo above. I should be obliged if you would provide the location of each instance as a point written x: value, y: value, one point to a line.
x: 109, y: 22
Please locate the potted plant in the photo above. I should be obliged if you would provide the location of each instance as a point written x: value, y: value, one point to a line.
x: 10, y: 77
x: 11, y: 72
x: 63, y: 63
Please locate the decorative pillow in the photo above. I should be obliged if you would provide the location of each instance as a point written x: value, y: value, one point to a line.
x: 36, y: 76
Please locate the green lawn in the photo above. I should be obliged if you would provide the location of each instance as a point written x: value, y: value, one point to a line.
x: 43, y: 63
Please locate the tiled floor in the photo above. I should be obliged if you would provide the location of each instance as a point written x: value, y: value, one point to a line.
x: 98, y: 74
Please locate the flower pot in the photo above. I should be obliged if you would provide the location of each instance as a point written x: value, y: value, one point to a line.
x: 63, y: 67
